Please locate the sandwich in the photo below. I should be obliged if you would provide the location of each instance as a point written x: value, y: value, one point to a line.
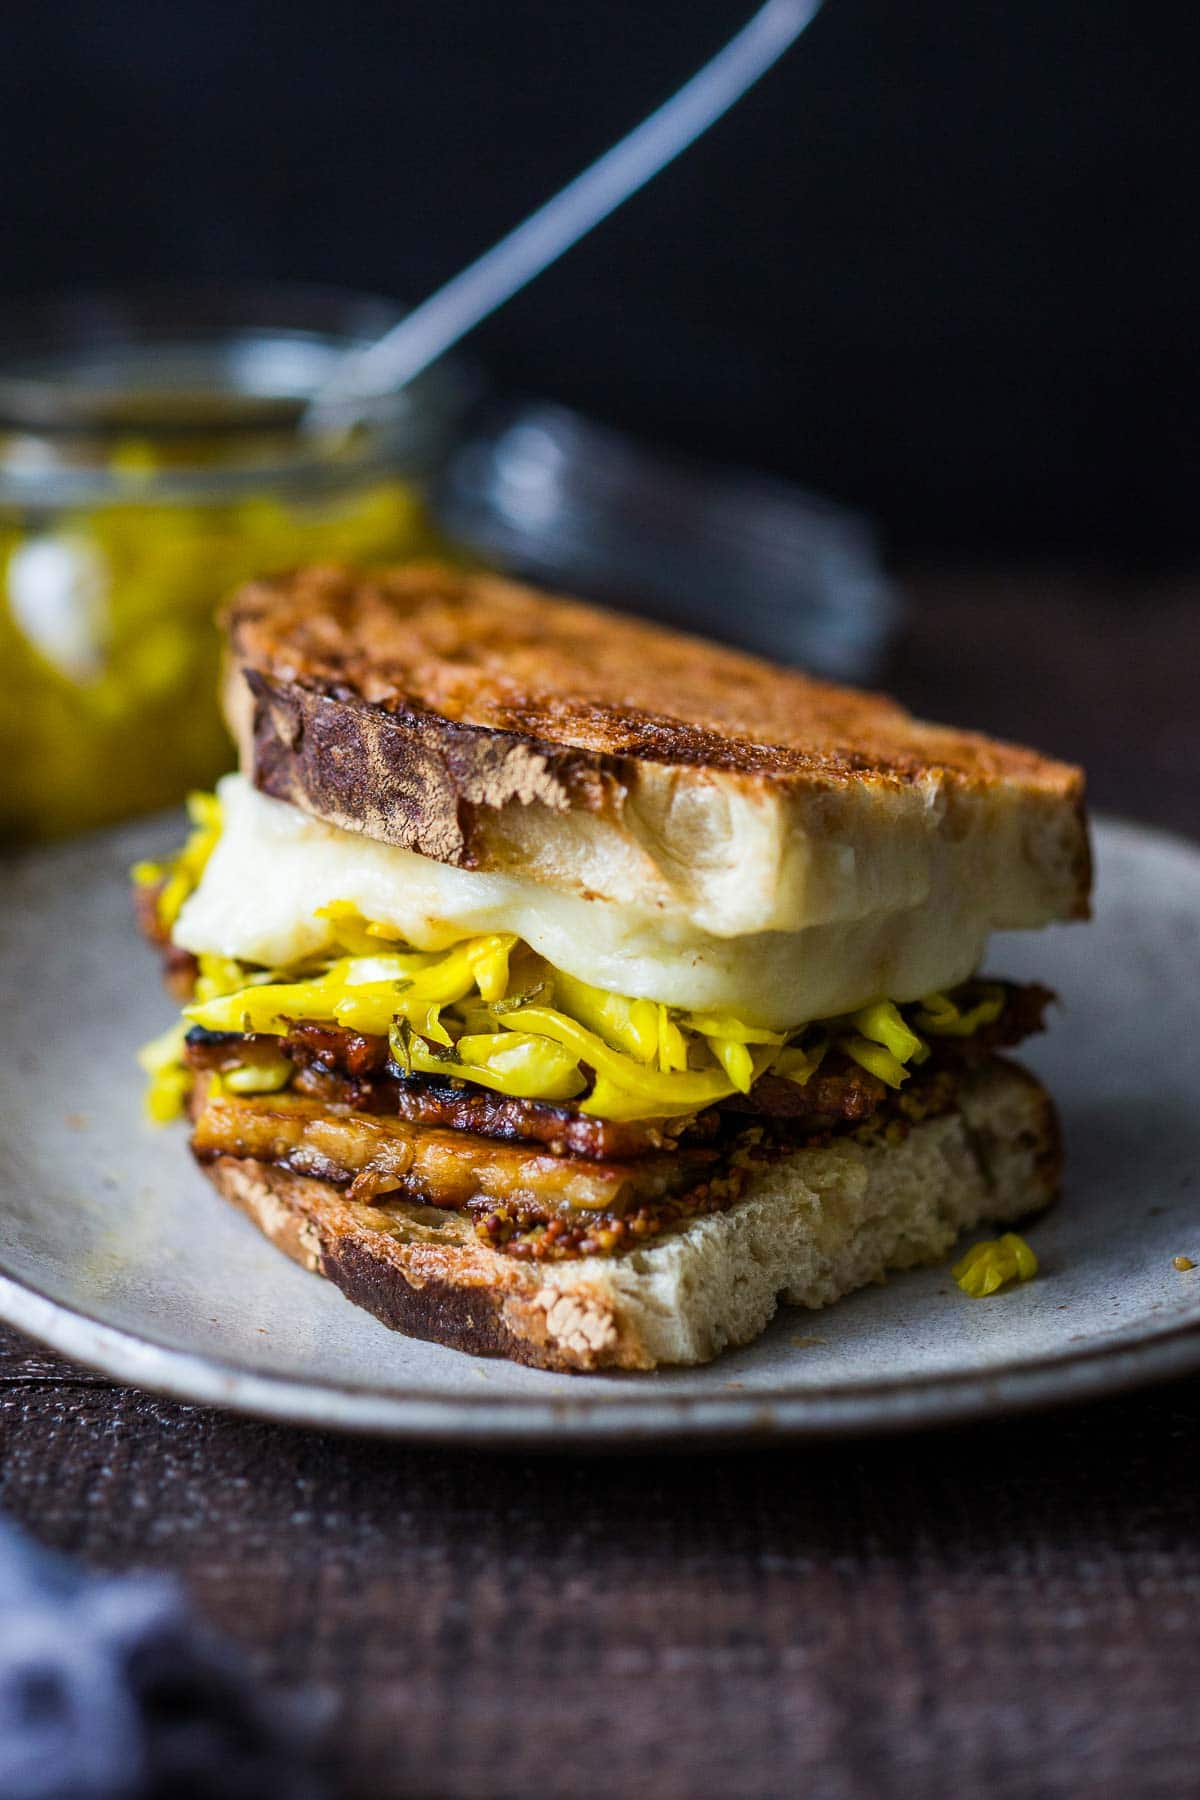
x: 573, y: 990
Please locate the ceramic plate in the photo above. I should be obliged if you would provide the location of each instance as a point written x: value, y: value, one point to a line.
x: 117, y: 1253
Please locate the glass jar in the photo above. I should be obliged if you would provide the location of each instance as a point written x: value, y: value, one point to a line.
x: 152, y: 457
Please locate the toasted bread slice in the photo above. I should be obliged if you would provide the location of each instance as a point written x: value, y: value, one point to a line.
x: 817, y: 1224
x: 487, y: 725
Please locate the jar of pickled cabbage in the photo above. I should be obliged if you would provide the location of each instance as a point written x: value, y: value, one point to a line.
x: 153, y: 455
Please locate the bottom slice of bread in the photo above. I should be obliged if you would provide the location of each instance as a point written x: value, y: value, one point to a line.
x: 816, y: 1224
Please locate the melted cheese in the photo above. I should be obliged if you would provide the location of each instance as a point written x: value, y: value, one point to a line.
x: 274, y: 867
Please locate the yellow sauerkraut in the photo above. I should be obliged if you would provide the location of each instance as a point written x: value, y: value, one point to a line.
x: 489, y: 1010
x: 180, y: 874
x: 995, y: 1264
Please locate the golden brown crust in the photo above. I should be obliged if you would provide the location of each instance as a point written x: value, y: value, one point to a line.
x: 487, y: 654
x: 410, y: 704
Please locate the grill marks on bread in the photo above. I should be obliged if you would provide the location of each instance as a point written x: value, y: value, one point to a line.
x: 479, y: 652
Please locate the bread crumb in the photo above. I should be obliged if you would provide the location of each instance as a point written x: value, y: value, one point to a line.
x: 800, y: 1342
x: 1184, y: 1262
x: 577, y: 1324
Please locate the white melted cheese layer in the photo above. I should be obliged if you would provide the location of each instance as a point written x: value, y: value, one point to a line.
x: 274, y: 867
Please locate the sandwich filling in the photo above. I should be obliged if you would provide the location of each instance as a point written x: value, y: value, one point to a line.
x: 279, y: 881
x: 364, y: 1015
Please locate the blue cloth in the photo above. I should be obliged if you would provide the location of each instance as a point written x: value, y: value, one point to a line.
x: 111, y: 1689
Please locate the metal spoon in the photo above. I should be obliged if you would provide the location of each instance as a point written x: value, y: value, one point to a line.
x: 455, y: 309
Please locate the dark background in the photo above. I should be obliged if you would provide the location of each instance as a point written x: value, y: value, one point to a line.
x: 942, y: 262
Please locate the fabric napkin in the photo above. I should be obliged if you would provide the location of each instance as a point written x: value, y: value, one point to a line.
x: 112, y: 1689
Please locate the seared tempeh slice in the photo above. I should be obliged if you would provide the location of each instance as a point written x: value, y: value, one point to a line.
x: 441, y: 1168
x: 344, y: 1068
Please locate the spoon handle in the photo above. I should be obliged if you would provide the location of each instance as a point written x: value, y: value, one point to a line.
x: 447, y: 315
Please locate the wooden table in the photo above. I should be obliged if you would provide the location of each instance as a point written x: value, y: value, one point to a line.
x: 1007, y: 1611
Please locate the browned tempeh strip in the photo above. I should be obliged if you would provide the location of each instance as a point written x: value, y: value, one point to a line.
x: 443, y: 1168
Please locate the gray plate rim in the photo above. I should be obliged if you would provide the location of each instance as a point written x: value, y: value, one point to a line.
x: 615, y: 1422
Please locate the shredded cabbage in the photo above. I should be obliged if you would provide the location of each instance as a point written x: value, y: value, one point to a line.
x: 639, y: 1027
x: 182, y: 872
x: 795, y: 1064
x: 877, y: 1059
x: 168, y: 1080
x: 350, y: 931
x: 942, y: 1016
x: 882, y: 1024
x: 488, y: 1010
x: 522, y: 1064
x: 995, y: 1264
x: 259, y: 1078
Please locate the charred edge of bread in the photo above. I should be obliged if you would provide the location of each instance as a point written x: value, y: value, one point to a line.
x: 425, y: 1273
x: 406, y: 778
x: 437, y: 1281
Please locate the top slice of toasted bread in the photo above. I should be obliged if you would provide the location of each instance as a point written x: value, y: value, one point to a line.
x: 483, y: 723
